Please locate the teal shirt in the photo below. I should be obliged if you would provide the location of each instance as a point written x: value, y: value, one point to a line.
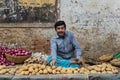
x: 67, y: 47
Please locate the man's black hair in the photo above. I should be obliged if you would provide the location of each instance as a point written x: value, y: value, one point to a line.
x: 59, y: 23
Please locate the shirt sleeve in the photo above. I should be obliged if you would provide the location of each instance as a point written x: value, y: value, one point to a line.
x: 76, y: 46
x: 53, y: 48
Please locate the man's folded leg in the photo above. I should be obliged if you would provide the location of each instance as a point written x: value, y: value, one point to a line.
x: 60, y: 62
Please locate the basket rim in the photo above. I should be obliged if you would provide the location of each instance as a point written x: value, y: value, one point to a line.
x: 16, y: 56
x: 16, y: 59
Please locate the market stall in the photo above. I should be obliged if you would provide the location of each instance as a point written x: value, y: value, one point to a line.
x: 21, y: 64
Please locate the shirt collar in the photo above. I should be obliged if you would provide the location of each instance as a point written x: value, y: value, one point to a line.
x: 56, y: 36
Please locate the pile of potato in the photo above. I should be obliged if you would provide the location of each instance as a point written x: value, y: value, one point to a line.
x: 7, y: 70
x: 103, y: 68
x: 3, y: 69
x: 37, y: 69
x: 34, y: 69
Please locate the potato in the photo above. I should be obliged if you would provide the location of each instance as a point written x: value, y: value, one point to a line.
x: 24, y: 68
x: 36, y: 70
x: 100, y: 66
x: 76, y: 69
x: 90, y: 68
x: 97, y: 69
x: 30, y: 73
x: 93, y: 72
x: 39, y: 65
x: 43, y: 66
x: 69, y: 72
x: 39, y: 69
x: 33, y: 73
x: 22, y: 73
x: 75, y: 72
x: 45, y: 71
x: 31, y: 69
x: 3, y: 71
x: 82, y: 68
x: 104, y: 64
x: 103, y: 68
x: 26, y: 72
x: 37, y: 73
x: 53, y: 67
x: 40, y: 72
x: 48, y: 67
x: 12, y: 71
x: 81, y: 71
x: 2, y: 67
x: 57, y: 72
x: 98, y: 72
x: 86, y: 72
x: 104, y: 72
x: 63, y: 71
x: 49, y: 70
x: 59, y: 68
x: 114, y: 71
x: 108, y: 69
x: 54, y: 71
x: 36, y: 65
x: 109, y: 72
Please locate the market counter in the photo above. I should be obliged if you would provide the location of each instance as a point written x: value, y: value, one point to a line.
x: 63, y: 77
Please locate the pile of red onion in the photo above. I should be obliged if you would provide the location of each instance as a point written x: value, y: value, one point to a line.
x: 16, y: 51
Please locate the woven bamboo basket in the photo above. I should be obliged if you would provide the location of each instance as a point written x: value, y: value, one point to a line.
x: 115, y: 62
x: 16, y: 59
x: 106, y: 57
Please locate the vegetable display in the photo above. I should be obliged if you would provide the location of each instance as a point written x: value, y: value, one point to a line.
x: 15, y: 51
x: 37, y: 69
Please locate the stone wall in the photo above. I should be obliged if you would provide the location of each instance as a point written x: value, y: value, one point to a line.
x: 95, y: 23
x: 33, y: 38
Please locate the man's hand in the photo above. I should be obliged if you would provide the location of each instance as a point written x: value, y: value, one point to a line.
x: 81, y: 61
x: 53, y: 62
x: 78, y: 61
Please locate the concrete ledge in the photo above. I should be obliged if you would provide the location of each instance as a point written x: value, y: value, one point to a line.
x: 21, y: 78
x: 60, y: 77
x: 6, y: 77
x: 63, y: 77
x: 104, y: 77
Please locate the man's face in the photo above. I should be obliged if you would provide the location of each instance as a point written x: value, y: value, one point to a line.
x: 60, y: 30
